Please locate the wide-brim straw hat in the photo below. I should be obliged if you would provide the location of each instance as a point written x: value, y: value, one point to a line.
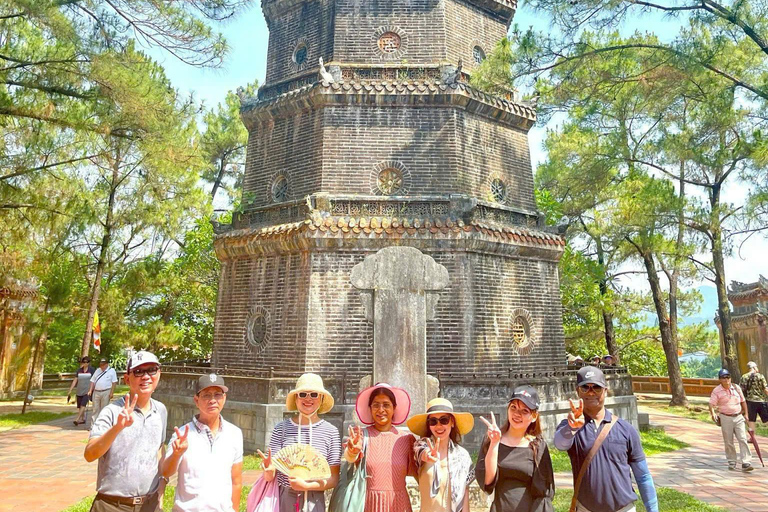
x: 310, y: 382
x: 418, y: 423
x: 402, y: 408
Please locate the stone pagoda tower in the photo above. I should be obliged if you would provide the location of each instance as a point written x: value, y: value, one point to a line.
x: 389, y: 220
x: 385, y: 145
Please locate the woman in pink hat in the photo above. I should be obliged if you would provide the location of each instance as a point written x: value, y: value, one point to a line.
x: 388, y: 452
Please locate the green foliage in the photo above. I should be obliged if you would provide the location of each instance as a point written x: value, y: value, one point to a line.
x: 11, y: 421
x: 670, y: 500
x: 705, y: 369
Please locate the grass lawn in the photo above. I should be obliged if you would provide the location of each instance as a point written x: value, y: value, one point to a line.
x: 252, y: 461
x: 654, y: 441
x: 84, y: 505
x: 697, y: 412
x: 670, y: 500
x: 17, y: 420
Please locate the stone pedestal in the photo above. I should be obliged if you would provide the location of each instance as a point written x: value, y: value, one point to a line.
x: 399, y: 290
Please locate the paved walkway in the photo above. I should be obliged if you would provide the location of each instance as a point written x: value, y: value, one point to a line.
x: 42, y: 467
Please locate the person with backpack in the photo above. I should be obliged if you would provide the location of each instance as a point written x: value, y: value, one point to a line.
x: 755, y: 390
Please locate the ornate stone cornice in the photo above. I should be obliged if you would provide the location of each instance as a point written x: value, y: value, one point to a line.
x: 390, y: 93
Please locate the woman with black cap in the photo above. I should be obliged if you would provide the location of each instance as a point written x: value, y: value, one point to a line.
x: 443, y: 466
x: 514, y: 461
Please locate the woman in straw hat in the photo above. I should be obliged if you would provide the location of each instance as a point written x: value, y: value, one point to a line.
x: 514, y: 461
x: 443, y: 465
x: 309, y: 399
x: 389, y: 452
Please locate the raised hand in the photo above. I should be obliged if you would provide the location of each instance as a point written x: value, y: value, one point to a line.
x: 298, y: 484
x: 266, y: 460
x: 432, y: 453
x: 494, y: 434
x: 180, y: 444
x: 576, y: 416
x: 355, y: 440
x: 125, y: 418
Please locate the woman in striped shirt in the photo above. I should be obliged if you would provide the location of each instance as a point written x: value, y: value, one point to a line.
x: 309, y: 399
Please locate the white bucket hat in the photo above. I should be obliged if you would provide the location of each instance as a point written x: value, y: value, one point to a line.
x: 307, y: 383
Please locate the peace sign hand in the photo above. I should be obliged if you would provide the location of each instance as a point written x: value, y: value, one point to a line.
x: 180, y: 444
x: 576, y: 416
x: 125, y: 418
x: 355, y: 440
x: 432, y: 453
x: 266, y: 460
x: 494, y: 434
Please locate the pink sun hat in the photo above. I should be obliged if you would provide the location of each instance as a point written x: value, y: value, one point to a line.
x: 402, y: 408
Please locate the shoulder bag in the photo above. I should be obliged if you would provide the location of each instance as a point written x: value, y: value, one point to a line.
x: 583, y: 471
x: 349, y: 495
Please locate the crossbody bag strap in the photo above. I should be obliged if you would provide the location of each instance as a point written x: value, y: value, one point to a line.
x: 583, y: 471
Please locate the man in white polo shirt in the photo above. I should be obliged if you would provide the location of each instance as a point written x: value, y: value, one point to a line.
x: 102, y: 388
x: 208, y: 453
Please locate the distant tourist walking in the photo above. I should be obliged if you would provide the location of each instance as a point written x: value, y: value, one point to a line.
x: 728, y: 409
x: 309, y: 399
x: 389, y: 453
x: 603, y: 448
x: 444, y: 467
x: 755, y: 390
x: 208, y: 453
x: 514, y: 461
x: 102, y: 387
x: 81, y: 383
x: 127, y: 439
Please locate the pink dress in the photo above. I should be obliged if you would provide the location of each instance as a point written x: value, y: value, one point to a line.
x: 388, y: 461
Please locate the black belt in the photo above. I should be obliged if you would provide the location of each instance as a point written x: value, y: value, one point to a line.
x: 122, y: 500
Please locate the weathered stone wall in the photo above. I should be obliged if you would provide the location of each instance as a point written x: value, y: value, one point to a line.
x: 310, y: 22
x: 318, y: 322
x: 469, y: 26
x: 341, y: 149
x: 291, y: 146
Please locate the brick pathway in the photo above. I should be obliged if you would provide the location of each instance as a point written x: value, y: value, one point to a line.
x: 42, y: 468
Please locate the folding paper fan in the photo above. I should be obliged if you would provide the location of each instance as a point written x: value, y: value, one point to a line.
x: 302, y: 461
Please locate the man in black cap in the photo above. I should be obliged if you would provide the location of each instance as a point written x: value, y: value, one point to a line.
x: 606, y: 486
x: 208, y: 454
x: 729, y: 410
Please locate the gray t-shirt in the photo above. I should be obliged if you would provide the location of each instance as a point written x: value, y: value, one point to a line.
x: 131, y: 465
x: 83, y: 380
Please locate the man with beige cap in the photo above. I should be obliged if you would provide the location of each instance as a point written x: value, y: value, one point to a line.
x: 756, y: 394
x: 309, y: 399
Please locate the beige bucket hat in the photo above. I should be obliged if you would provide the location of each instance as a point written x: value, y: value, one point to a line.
x: 307, y: 383
x: 418, y: 423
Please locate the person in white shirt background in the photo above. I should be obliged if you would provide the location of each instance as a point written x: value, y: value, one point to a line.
x: 102, y: 388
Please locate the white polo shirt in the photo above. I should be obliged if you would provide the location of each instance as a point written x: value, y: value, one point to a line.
x: 103, y: 379
x: 205, y: 469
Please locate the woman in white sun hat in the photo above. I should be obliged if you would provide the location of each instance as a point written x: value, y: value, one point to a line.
x: 444, y: 466
x: 309, y: 399
x: 389, y: 453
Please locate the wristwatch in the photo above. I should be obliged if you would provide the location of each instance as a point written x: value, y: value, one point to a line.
x: 165, y: 479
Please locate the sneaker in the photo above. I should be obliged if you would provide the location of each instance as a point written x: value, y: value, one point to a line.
x: 747, y: 467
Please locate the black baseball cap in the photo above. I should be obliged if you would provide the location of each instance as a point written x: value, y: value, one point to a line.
x: 528, y: 395
x: 590, y: 375
x: 723, y: 373
x: 103, y: 360
x: 209, y: 381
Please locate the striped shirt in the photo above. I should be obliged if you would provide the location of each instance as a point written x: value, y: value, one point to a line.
x: 325, y: 439
x: 727, y: 401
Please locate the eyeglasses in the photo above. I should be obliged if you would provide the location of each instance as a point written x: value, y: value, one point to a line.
x: 217, y: 396
x: 304, y: 394
x: 443, y: 420
x: 590, y: 387
x: 726, y: 377
x: 149, y: 371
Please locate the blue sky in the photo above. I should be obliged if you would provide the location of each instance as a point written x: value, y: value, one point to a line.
x: 248, y: 37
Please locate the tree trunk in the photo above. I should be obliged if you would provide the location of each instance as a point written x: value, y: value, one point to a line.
x: 668, y: 341
x: 610, y: 335
x: 730, y: 355
x: 39, y: 349
x: 100, y: 264
x: 219, y: 177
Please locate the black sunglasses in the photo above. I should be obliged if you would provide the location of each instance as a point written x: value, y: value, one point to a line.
x: 591, y: 387
x: 304, y: 394
x: 149, y: 371
x: 443, y: 420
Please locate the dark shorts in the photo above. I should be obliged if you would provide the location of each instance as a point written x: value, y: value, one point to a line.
x: 82, y: 401
x: 755, y: 408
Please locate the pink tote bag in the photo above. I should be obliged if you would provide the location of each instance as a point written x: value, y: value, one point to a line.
x: 264, y: 496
